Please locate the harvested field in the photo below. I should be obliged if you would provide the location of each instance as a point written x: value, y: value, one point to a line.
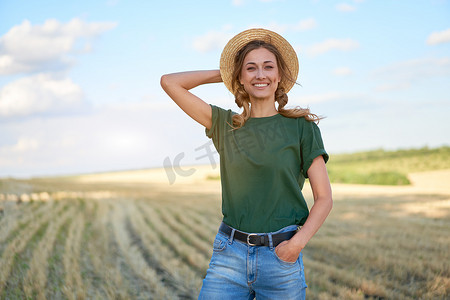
x: 132, y: 235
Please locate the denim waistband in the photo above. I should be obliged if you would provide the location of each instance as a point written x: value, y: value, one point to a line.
x: 284, y: 229
x: 271, y: 239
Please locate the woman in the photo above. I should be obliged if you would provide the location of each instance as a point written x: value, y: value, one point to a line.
x: 266, y: 152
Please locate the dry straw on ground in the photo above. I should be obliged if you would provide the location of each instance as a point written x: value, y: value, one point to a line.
x: 107, y: 237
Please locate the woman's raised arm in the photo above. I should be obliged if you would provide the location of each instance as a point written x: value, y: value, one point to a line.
x: 177, y: 86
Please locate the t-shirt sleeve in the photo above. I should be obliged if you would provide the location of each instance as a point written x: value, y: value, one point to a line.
x: 221, y: 119
x: 311, y: 145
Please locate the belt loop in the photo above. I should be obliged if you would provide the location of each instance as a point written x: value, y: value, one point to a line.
x: 230, y: 240
x: 270, y: 241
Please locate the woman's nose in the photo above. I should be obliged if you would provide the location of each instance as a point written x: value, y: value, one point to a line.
x: 260, y: 74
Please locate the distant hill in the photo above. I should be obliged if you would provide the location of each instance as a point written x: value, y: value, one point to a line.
x: 386, y: 167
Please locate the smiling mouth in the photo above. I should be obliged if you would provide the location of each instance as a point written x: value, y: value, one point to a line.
x: 261, y: 84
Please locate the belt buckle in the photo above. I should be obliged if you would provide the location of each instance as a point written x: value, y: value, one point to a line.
x: 248, y: 239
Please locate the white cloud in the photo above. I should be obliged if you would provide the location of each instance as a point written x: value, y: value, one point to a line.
x: 212, y: 40
x: 112, y: 137
x: 343, y: 71
x: 28, y: 48
x: 49, y: 147
x: 274, y: 26
x: 439, y: 37
x: 23, y: 144
x: 345, y: 7
x: 393, y: 86
x: 306, y: 24
x: 217, y: 39
x: 39, y: 94
x: 316, y: 98
x: 302, y: 25
x: 333, y: 44
x: 403, y: 74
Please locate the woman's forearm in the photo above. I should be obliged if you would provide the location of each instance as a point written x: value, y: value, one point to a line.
x: 290, y: 250
x: 190, y: 79
x: 318, y: 214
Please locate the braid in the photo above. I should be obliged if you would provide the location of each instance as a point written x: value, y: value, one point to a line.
x: 296, y: 112
x: 281, y: 97
x: 243, y: 101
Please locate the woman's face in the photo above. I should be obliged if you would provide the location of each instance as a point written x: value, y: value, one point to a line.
x: 259, y: 74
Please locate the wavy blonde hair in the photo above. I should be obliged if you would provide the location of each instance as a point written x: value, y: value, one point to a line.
x: 242, y: 98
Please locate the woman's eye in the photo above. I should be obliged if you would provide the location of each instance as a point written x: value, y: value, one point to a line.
x: 250, y: 68
x: 269, y: 67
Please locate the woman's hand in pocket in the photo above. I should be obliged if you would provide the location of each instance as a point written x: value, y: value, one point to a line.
x: 288, y: 251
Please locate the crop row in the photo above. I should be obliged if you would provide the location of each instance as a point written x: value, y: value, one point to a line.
x: 104, y: 248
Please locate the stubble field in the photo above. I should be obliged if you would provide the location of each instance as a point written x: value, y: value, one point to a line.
x: 134, y: 236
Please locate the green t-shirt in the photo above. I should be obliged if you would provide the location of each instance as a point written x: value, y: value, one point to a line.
x: 263, y: 166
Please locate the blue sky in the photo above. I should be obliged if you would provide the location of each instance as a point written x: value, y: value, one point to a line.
x: 79, y: 80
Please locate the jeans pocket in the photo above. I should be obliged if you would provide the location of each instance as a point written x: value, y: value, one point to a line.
x: 283, y: 262
x: 220, y: 243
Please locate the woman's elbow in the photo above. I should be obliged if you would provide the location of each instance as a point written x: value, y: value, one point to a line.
x: 164, y: 81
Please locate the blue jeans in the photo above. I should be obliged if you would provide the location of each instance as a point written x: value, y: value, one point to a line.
x: 240, y: 271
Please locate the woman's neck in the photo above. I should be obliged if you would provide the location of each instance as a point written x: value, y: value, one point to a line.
x: 262, y: 108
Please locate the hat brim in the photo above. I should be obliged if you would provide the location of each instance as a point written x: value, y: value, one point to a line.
x: 242, y: 39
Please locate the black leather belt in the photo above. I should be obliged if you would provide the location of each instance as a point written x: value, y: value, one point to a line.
x: 253, y: 239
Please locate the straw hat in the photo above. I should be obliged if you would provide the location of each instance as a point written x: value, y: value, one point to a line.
x: 241, y: 39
